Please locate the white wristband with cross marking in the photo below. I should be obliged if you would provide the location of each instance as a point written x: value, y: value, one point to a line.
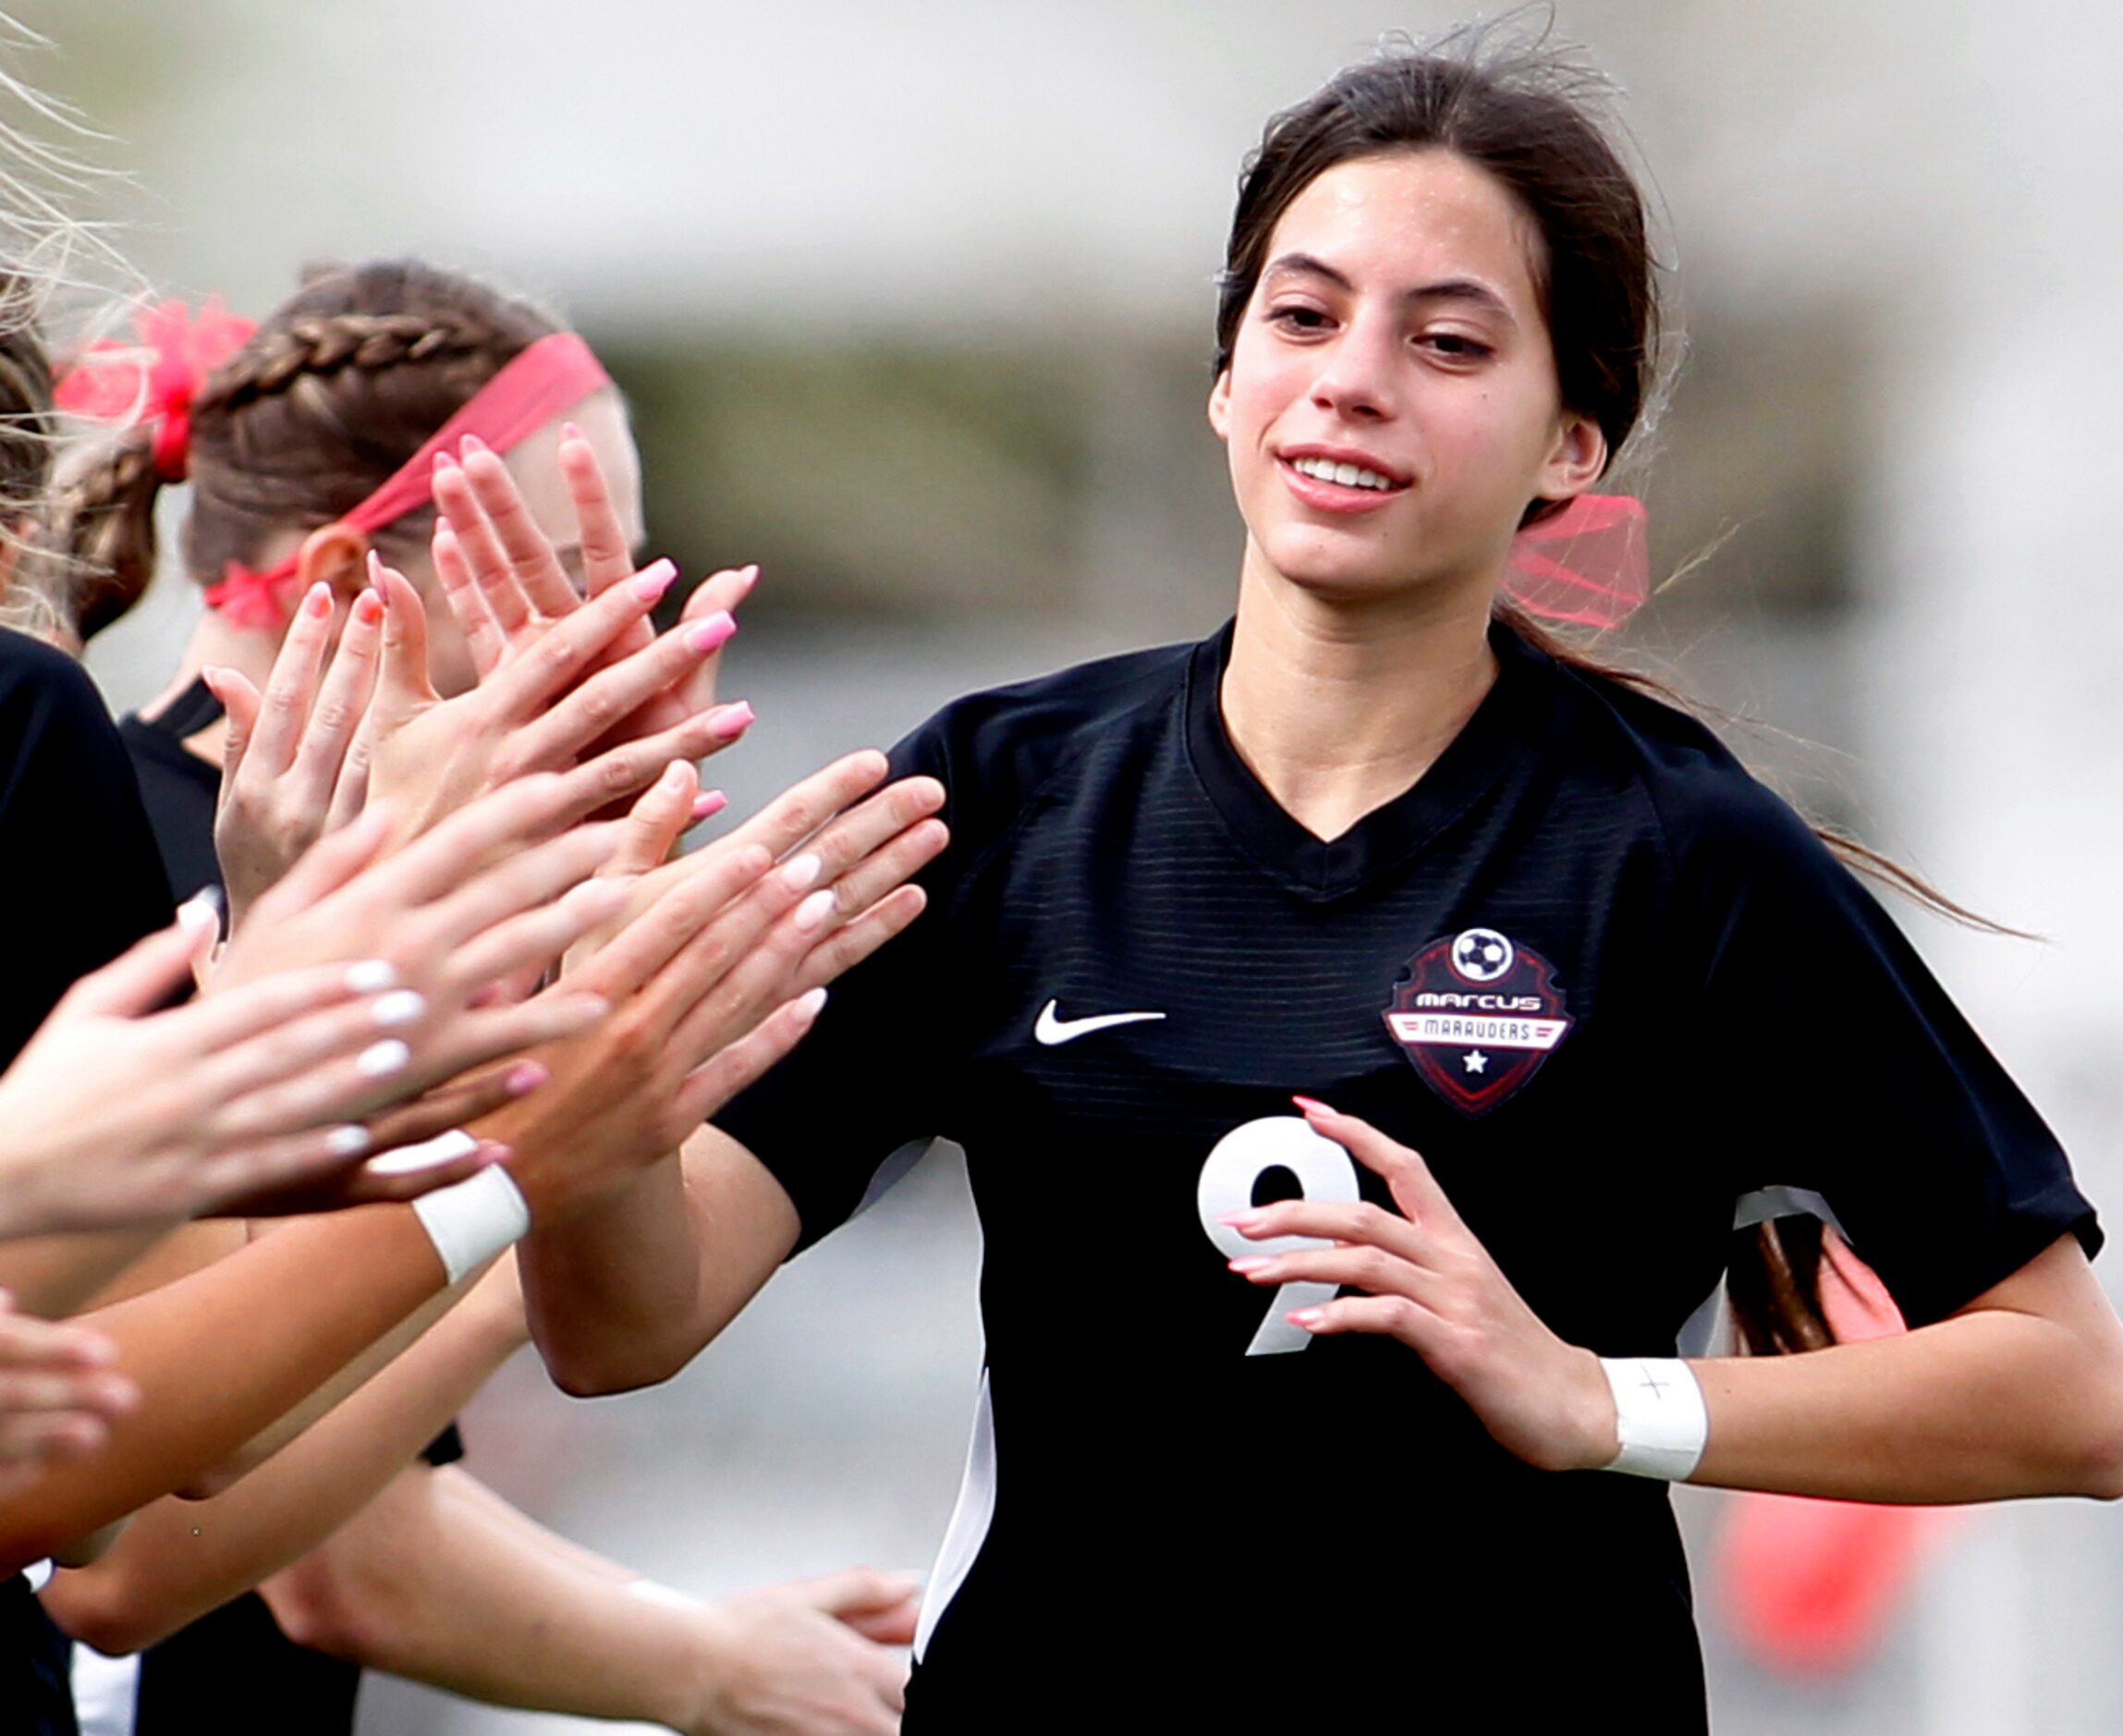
x: 1659, y: 1416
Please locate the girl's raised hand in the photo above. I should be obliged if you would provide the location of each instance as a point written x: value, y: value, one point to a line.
x: 503, y: 888
x: 719, y: 975
x: 1429, y: 1283
x: 293, y: 764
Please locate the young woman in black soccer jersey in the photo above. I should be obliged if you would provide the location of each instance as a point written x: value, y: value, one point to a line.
x: 1321, y: 1431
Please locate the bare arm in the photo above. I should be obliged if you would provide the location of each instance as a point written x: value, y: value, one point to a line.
x: 179, y: 1560
x: 628, y: 1294
x: 213, y: 1366
x: 2019, y: 1393
x: 439, y: 1581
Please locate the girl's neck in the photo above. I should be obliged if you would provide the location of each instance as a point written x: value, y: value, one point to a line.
x: 1339, y: 708
x: 214, y: 641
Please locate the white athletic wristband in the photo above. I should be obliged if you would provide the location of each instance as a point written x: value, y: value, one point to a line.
x: 474, y: 1220
x: 1659, y: 1416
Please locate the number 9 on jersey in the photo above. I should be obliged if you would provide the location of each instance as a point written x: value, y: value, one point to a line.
x: 1237, y: 1164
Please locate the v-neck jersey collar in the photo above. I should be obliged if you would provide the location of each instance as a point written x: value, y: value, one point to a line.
x: 1506, y: 726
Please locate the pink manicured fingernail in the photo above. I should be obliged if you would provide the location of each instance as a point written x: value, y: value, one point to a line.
x: 1252, y: 1264
x: 1308, y: 1317
x: 747, y: 578
x: 443, y: 461
x: 709, y: 801
x: 1311, y: 1106
x: 525, y: 1077
x: 1240, y: 1221
x: 318, y: 603
x: 811, y: 913
x: 802, y: 871
x: 472, y: 443
x: 368, y: 609
x: 734, y: 720
x: 652, y: 581
x: 713, y: 633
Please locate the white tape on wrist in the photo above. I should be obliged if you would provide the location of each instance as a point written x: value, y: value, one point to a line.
x: 474, y: 1220
x: 1659, y: 1416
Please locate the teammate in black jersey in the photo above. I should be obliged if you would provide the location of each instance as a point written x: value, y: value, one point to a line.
x: 1283, y: 1426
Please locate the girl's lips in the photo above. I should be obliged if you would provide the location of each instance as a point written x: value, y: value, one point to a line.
x: 1336, y: 496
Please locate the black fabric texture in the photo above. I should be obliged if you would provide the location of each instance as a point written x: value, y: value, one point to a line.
x: 1111, y: 852
x: 236, y: 1673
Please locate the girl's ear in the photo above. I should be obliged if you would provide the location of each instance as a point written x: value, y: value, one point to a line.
x: 1220, y: 405
x: 1575, y: 460
x: 338, y: 555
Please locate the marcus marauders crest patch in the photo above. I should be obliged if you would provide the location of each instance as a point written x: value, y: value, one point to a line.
x: 1476, y: 1016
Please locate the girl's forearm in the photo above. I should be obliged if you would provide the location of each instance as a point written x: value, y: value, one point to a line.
x: 2018, y: 1395
x: 218, y: 1355
x: 179, y: 1560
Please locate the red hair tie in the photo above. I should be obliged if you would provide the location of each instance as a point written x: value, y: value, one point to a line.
x: 155, y: 379
x: 1586, y: 566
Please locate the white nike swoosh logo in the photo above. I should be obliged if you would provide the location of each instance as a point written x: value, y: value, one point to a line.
x: 1051, y: 1029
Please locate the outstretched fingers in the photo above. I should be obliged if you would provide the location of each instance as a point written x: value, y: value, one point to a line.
x: 526, y: 549
x: 607, y: 557
x: 747, y: 1060
x: 554, y: 738
x: 284, y: 705
x: 483, y: 639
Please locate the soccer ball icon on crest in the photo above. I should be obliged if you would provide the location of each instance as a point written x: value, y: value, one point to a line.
x: 1481, y: 955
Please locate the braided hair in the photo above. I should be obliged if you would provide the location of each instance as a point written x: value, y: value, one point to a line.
x: 335, y: 390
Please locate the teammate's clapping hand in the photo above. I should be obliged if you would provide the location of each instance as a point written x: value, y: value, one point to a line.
x: 1429, y: 1283
x: 115, y: 1114
x: 489, y: 893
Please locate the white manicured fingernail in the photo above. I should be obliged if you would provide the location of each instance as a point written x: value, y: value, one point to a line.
x: 802, y: 871
x: 811, y: 1002
x: 442, y: 1149
x: 350, y: 1141
x: 390, y: 1055
x: 372, y: 976
x: 201, y: 911
x: 812, y: 912
x: 400, y: 1006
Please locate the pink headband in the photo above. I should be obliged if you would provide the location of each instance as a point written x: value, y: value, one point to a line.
x: 155, y: 379
x: 1587, y: 565
x: 553, y: 375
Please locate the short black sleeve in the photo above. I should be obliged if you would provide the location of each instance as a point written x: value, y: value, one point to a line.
x: 868, y: 1078
x: 77, y: 858
x: 1836, y: 1063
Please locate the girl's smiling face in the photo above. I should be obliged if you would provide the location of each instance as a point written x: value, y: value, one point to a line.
x: 1391, y: 405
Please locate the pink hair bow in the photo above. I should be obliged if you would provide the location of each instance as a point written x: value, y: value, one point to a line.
x: 156, y: 378
x: 1586, y: 566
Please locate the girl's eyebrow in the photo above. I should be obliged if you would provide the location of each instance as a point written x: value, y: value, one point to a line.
x: 1470, y: 289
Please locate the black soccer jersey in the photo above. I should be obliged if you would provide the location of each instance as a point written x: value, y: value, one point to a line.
x: 1598, y: 977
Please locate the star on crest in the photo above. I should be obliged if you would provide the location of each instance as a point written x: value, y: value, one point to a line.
x: 1474, y: 1061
